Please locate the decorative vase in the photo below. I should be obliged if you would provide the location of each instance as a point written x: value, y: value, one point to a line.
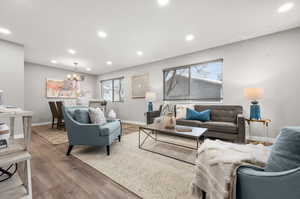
x: 169, y: 121
x: 255, y: 111
x: 112, y: 114
x: 150, y: 106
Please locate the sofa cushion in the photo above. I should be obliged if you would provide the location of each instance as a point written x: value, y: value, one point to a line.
x: 227, y: 127
x: 82, y: 116
x: 195, y: 115
x: 224, y: 115
x: 110, y: 128
x: 184, y: 122
x: 285, y: 154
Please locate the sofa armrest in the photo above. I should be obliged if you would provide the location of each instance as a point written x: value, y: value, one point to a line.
x: 241, y: 128
x: 151, y: 115
x: 253, y: 182
x: 78, y: 132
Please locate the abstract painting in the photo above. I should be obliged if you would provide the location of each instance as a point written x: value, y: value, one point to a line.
x: 62, y: 88
x: 140, y: 85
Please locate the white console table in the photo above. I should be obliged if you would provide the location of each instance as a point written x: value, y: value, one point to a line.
x: 18, y: 151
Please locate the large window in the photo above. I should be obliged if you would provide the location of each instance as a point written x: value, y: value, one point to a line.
x: 112, y: 90
x: 202, y: 82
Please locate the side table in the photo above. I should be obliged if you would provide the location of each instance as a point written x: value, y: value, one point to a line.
x: 264, y: 122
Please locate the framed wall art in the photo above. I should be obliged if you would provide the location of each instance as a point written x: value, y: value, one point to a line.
x: 62, y: 88
x: 140, y: 85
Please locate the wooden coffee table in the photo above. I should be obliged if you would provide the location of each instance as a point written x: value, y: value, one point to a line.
x: 151, y: 131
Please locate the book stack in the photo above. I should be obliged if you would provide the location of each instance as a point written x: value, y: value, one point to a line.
x: 4, y: 135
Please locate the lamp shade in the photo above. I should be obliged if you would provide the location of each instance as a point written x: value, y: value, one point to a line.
x: 253, y: 93
x: 150, y: 96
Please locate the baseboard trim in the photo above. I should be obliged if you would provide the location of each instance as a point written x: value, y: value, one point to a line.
x: 18, y: 136
x: 41, y: 123
x: 133, y: 122
x: 262, y: 139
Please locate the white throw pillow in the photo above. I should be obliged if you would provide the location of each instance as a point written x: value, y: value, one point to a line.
x: 181, y: 110
x: 167, y: 108
x: 97, y: 116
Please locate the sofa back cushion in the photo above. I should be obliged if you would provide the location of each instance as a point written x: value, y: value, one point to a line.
x: 285, y: 154
x: 222, y: 113
x: 82, y: 116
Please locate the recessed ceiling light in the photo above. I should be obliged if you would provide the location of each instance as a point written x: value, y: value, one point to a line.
x: 189, y: 37
x: 5, y: 31
x: 139, y: 53
x: 163, y: 3
x: 285, y: 7
x: 109, y: 62
x: 102, y: 34
x: 71, y: 51
x: 88, y: 69
x: 53, y: 61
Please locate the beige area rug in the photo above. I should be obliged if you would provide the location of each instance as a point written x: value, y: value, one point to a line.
x: 53, y: 136
x: 149, y: 175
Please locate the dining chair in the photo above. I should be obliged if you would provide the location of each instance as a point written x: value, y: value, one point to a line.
x: 60, y: 121
x: 54, y: 112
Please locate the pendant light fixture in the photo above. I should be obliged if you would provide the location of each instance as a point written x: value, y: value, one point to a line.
x: 75, y: 76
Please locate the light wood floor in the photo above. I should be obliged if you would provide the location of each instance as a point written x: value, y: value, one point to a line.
x: 57, y: 176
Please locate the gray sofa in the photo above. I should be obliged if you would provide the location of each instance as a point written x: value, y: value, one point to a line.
x: 227, y: 122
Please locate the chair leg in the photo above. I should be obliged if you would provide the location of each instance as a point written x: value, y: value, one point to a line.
x: 119, y: 138
x: 108, y: 150
x: 52, y: 122
x: 69, y: 150
x: 59, y: 121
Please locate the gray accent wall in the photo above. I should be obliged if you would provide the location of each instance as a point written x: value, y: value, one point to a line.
x: 271, y: 62
x: 35, y: 89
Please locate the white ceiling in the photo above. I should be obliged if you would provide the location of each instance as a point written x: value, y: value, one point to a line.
x: 48, y: 28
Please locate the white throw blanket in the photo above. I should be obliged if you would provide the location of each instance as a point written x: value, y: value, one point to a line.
x: 216, y: 166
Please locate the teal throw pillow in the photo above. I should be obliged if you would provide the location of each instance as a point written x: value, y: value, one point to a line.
x: 195, y: 115
x: 82, y: 116
x: 285, y: 154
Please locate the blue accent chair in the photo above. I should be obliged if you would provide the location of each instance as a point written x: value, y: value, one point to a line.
x: 90, y: 134
x: 280, y: 179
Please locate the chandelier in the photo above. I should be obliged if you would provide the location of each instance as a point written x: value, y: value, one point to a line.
x: 75, y: 76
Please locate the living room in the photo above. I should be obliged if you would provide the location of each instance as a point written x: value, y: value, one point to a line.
x: 131, y: 99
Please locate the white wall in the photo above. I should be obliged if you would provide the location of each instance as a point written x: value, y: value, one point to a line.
x: 270, y: 62
x: 35, y: 89
x: 12, y: 73
x: 12, y: 78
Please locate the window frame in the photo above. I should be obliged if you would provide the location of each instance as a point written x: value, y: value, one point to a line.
x: 113, y: 88
x: 188, y: 66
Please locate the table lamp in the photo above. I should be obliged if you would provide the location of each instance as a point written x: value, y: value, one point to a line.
x: 254, y: 94
x: 150, y: 97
